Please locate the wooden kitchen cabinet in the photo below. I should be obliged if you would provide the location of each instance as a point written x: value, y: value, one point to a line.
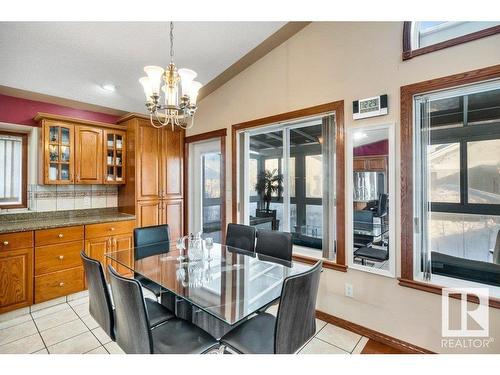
x: 171, y: 163
x: 173, y: 215
x: 149, y: 213
x: 148, y: 162
x: 56, y: 167
x: 155, y: 174
x: 88, y: 155
x: 110, y: 237
x: 58, y: 267
x: 77, y: 151
x: 370, y: 163
x: 114, y: 156
x: 16, y: 279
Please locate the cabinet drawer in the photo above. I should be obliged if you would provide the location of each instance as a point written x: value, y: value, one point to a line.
x: 58, y: 235
x: 18, y: 240
x: 51, y: 258
x: 58, y: 284
x: 108, y: 229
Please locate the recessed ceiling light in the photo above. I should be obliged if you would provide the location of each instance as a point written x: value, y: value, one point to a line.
x: 108, y: 87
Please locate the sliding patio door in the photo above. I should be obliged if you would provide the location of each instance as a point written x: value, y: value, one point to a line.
x: 287, y: 179
x: 205, y: 203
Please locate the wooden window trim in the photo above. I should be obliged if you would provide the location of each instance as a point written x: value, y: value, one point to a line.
x: 408, y: 53
x: 220, y: 133
x: 338, y: 108
x: 407, y: 94
x: 24, y: 166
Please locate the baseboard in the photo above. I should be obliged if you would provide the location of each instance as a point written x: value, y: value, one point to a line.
x: 401, y: 345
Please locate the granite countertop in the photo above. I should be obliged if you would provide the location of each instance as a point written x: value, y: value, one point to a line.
x: 20, y: 222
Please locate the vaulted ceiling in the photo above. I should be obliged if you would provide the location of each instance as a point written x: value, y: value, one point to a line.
x: 74, y: 59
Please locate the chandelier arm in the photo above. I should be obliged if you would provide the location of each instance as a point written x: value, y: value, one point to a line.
x: 187, y: 127
x: 162, y: 123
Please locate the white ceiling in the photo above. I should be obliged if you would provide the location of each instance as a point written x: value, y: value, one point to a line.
x: 365, y: 137
x: 73, y: 60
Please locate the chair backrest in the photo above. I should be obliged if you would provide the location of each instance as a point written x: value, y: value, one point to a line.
x: 150, y: 241
x: 274, y: 244
x: 132, y: 328
x: 296, y: 320
x: 100, y: 305
x: 496, y: 250
x: 241, y: 237
x: 382, y: 204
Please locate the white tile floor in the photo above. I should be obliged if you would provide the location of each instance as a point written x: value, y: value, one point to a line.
x: 68, y: 328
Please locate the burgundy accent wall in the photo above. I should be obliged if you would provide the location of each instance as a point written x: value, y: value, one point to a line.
x: 375, y: 148
x: 21, y: 111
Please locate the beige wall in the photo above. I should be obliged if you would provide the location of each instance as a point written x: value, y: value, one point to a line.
x: 342, y: 60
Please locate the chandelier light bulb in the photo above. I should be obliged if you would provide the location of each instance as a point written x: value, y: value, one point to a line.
x: 187, y: 76
x: 154, y: 74
x: 194, y: 90
x: 146, y: 85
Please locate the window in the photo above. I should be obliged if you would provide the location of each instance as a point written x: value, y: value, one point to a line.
x: 457, y: 185
x: 428, y: 36
x: 286, y: 188
x: 13, y: 165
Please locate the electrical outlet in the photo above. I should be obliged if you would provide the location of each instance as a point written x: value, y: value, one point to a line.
x: 349, y: 290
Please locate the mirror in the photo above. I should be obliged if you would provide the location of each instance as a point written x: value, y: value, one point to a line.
x: 370, y: 190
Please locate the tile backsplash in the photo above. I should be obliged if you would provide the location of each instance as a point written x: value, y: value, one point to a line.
x: 71, y: 197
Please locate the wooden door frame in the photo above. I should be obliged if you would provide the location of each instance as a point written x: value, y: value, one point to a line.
x: 338, y: 108
x: 406, y: 144
x: 222, y: 134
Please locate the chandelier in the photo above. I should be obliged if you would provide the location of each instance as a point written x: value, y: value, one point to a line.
x: 179, y: 91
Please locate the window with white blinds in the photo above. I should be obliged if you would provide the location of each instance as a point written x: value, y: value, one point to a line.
x: 11, y: 172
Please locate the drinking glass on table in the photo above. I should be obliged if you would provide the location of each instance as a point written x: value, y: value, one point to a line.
x: 180, y: 245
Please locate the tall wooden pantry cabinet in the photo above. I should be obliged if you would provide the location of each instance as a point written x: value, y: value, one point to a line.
x: 154, y: 175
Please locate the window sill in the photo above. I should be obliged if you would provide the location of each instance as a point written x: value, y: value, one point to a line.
x: 326, y: 263
x: 436, y: 289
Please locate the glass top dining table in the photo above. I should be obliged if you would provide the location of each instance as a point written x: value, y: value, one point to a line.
x: 226, y: 282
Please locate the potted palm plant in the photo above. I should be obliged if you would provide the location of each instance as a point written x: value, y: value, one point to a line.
x: 269, y: 183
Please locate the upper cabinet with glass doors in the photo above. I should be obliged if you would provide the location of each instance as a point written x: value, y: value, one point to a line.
x: 80, y: 152
x: 58, y: 160
x: 114, y: 146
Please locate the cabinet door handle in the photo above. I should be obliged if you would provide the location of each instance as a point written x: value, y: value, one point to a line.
x: 61, y: 257
x: 114, y: 244
x: 112, y: 229
x: 5, y: 243
x: 60, y: 235
x: 61, y: 284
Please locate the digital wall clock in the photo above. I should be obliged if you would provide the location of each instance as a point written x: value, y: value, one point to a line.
x: 369, y: 107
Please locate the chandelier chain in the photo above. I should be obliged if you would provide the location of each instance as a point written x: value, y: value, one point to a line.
x: 171, y: 42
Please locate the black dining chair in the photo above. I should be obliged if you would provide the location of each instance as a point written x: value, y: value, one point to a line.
x: 241, y: 237
x: 149, y: 241
x: 293, y: 326
x: 273, y: 245
x: 101, y: 302
x: 133, y: 329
